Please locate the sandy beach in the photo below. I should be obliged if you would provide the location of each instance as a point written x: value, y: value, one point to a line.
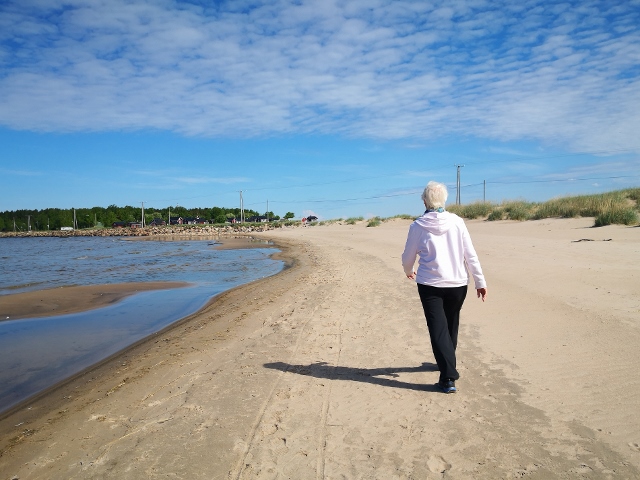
x: 325, y: 371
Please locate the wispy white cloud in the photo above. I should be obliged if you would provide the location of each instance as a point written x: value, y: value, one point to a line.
x: 563, y: 74
x: 599, y: 169
x: 512, y: 152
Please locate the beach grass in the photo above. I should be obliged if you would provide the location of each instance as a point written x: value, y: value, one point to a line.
x: 472, y: 210
x: 353, y: 220
x: 619, y: 207
x: 402, y: 216
x: 374, y: 222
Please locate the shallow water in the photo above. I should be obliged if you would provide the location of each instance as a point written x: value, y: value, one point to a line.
x: 38, y: 263
x: 38, y: 353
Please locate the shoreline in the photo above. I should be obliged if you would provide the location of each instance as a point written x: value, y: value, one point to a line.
x: 104, y: 295
x: 76, y: 299
x: 195, y: 231
x: 79, y: 298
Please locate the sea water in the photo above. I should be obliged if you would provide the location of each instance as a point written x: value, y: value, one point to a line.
x: 37, y: 353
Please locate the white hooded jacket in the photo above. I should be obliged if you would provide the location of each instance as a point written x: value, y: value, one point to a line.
x: 443, y: 245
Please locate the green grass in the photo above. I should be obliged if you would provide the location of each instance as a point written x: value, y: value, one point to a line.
x: 620, y: 216
x: 518, y: 210
x: 621, y: 207
x: 472, y: 210
x: 496, y: 214
x: 633, y: 194
x: 618, y: 207
x: 403, y: 216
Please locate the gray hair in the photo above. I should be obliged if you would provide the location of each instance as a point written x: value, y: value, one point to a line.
x: 435, y: 195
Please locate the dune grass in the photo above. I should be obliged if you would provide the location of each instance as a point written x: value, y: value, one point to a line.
x: 402, y: 216
x: 472, y: 210
x: 618, y: 207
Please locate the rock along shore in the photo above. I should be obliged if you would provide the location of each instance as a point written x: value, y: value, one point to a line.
x: 190, y: 230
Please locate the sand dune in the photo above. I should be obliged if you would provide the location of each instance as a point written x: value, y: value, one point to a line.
x: 325, y: 371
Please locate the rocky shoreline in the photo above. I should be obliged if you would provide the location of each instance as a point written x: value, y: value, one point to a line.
x: 173, y: 230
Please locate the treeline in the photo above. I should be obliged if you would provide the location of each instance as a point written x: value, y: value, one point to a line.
x: 55, y: 218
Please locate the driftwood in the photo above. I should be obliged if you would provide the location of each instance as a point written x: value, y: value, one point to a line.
x: 591, y: 240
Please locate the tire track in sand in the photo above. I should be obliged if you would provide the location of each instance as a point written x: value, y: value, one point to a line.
x: 322, y: 438
x: 239, y: 470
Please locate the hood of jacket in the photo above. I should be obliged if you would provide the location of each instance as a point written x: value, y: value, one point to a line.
x: 436, y: 223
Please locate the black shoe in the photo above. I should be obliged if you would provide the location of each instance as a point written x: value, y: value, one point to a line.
x: 448, y: 385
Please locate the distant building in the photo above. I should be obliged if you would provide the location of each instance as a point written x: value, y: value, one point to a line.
x: 157, y: 222
x: 257, y: 219
x: 194, y: 221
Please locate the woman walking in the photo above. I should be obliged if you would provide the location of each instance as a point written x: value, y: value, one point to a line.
x: 443, y: 246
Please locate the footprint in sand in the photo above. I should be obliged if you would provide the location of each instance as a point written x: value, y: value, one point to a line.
x: 438, y: 465
x: 634, y: 446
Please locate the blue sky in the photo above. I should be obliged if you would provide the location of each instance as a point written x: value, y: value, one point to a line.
x: 337, y: 108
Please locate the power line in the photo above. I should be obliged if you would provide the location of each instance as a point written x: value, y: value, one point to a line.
x: 416, y: 191
x: 440, y: 166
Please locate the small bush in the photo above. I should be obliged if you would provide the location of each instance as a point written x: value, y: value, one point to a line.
x: 621, y: 216
x: 374, y: 222
x: 496, y: 214
x: 353, y: 220
x: 518, y: 210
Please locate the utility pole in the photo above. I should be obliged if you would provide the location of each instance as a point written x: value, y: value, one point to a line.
x: 75, y: 223
x: 241, y: 208
x: 458, y: 185
x: 142, y: 222
x: 169, y: 216
x: 267, y: 211
x: 484, y: 191
x: 28, y: 223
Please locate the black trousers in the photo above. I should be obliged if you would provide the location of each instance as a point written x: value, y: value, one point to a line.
x: 442, y: 311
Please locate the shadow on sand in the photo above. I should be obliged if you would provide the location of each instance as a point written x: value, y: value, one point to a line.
x: 377, y: 376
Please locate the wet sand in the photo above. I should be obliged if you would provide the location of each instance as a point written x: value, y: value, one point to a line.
x: 64, y: 300
x: 325, y: 371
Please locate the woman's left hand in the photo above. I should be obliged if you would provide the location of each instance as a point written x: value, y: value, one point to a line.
x: 482, y: 292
